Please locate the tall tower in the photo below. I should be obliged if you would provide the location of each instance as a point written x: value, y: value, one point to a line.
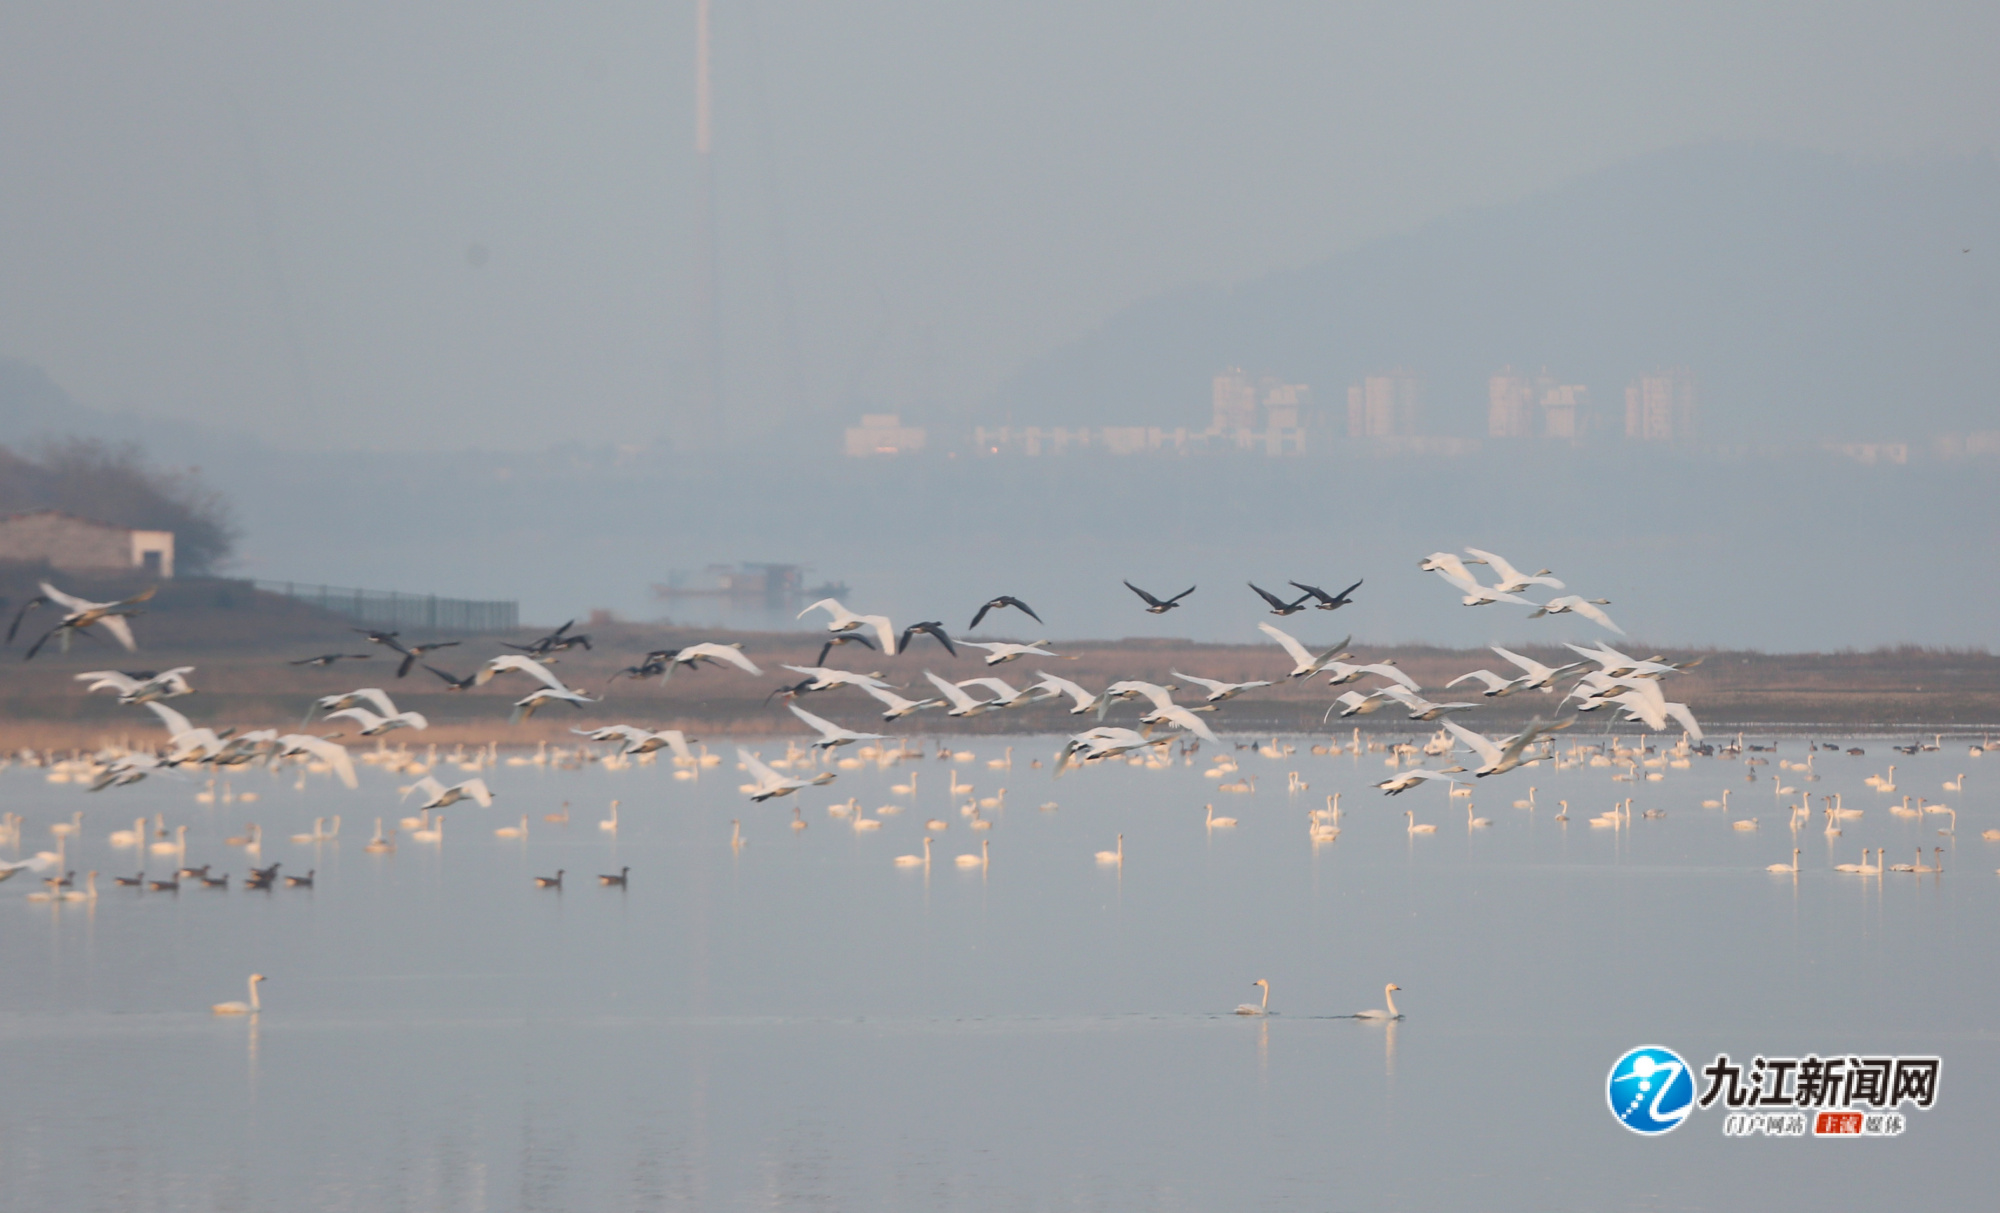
x: 701, y: 429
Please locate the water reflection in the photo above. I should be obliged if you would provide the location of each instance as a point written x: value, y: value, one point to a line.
x: 778, y: 1015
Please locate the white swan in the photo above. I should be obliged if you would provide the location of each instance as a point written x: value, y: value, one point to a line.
x: 610, y: 823
x: 519, y: 831
x: 1418, y: 829
x: 242, y: 1008
x: 1215, y: 822
x: 1472, y: 822
x: 1117, y: 856
x: 1791, y: 867
x: 434, y: 834
x: 1388, y: 996
x: 971, y: 861
x: 1257, y: 1008
x: 914, y: 861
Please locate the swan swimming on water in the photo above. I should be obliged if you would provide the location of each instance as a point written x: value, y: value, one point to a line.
x: 1117, y: 856
x: 1388, y: 996
x: 1257, y: 1008
x: 242, y: 1008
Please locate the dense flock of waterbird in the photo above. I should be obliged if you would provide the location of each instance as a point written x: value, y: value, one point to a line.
x: 1167, y: 732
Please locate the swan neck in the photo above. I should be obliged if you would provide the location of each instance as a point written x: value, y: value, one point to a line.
x: 254, y: 1004
x: 1389, y: 996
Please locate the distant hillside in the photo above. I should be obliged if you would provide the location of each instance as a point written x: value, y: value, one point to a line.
x: 1811, y: 295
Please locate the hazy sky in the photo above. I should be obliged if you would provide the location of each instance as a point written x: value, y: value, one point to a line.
x: 407, y: 224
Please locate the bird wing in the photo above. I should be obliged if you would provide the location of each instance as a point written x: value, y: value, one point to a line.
x: 831, y: 606
x: 1023, y: 607
x: 1183, y: 594
x: 1392, y: 674
x: 1492, y: 681
x: 984, y: 607
x: 887, y: 698
x: 1582, y: 607
x: 121, y: 630
x: 1187, y: 720
x: 1528, y: 665
x: 115, y: 679
x: 525, y: 665
x: 1063, y: 686
x: 427, y: 785
x: 958, y: 698
x: 1276, y: 602
x: 21, y: 614
x: 1488, y: 753
x: 727, y: 652
x: 361, y: 716
x: 477, y: 789
x: 1679, y: 711
x: 884, y: 631
x: 677, y: 742
x: 1312, y: 590
x: 176, y: 723
x: 1150, y: 600
x: 1507, y: 573
x: 378, y: 697
x: 998, y: 686
x: 825, y: 728
x: 331, y: 753
x: 765, y: 776
x: 70, y: 601
x: 1212, y: 685
x: 1298, y: 651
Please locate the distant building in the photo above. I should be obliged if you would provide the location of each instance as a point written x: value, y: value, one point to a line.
x: 1385, y: 406
x: 1523, y: 406
x: 1262, y: 414
x: 80, y: 545
x: 1661, y: 407
x: 883, y: 434
x: 1509, y: 399
x: 1567, y: 415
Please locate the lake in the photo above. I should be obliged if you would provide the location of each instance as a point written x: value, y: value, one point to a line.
x: 796, y: 1022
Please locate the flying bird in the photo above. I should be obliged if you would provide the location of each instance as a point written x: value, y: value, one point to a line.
x: 767, y: 783
x: 1004, y: 600
x: 897, y: 706
x: 374, y: 724
x: 453, y: 682
x: 930, y: 627
x: 437, y: 795
x: 831, y: 735
x: 1219, y: 691
x: 1410, y: 779
x: 79, y: 616
x: 834, y: 642
x: 555, y: 642
x: 634, y: 740
x: 1278, y: 605
x: 1499, y: 758
x: 327, y: 659
x: 142, y: 686
x: 1304, y: 663
x: 844, y: 620
x: 714, y: 654
x: 998, y: 652
x: 1512, y: 580
x: 1157, y: 606
x: 414, y: 652
x: 1326, y: 601
x: 1586, y: 607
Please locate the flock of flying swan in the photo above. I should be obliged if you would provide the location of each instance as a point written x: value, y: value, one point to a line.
x: 1601, y: 677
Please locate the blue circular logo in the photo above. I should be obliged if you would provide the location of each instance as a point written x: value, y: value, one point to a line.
x: 1650, y: 1090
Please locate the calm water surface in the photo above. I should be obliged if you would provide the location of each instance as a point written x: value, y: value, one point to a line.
x: 799, y: 1024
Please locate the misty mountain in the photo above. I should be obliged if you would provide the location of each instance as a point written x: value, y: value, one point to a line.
x: 1812, y: 296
